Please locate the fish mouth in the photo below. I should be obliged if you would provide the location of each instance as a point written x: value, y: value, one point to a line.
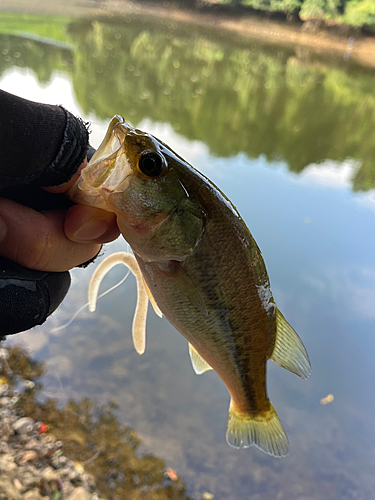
x: 109, y: 167
x: 111, y: 144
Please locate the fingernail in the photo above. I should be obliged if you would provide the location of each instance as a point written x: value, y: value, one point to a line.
x: 91, y: 230
x: 3, y: 229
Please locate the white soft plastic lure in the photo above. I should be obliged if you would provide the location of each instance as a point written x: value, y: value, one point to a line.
x: 204, y: 270
x: 143, y: 294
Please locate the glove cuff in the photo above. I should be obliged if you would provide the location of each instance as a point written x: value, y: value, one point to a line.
x: 28, y: 297
x: 72, y: 152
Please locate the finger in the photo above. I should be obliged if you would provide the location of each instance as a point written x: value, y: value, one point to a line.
x: 83, y: 223
x: 37, y: 239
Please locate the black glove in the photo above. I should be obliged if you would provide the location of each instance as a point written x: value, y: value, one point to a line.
x: 40, y: 145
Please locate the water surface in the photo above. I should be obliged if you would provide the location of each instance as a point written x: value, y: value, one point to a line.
x: 288, y: 136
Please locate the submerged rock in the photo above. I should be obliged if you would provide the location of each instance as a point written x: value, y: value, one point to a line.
x: 32, y: 461
x: 23, y: 425
x: 32, y: 466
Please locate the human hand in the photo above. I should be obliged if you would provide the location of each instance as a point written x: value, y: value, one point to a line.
x: 57, y: 239
x: 42, y: 234
x: 39, y: 247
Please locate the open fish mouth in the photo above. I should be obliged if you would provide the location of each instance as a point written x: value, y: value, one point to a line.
x: 112, y: 142
x: 109, y: 166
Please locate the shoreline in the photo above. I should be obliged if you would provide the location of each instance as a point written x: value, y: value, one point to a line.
x: 33, y: 465
x: 256, y: 28
x: 360, y: 49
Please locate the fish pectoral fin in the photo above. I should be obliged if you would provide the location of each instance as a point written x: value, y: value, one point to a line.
x: 152, y: 300
x: 263, y: 430
x: 289, y: 351
x: 189, y: 289
x: 140, y: 315
x: 199, y: 364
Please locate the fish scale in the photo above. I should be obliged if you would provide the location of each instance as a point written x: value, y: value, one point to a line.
x: 201, y: 268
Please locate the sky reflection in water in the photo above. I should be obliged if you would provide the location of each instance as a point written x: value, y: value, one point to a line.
x: 318, y: 238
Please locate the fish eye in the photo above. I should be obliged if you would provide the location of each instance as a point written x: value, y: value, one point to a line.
x: 151, y: 163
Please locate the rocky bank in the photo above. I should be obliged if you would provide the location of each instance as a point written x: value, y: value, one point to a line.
x: 32, y: 464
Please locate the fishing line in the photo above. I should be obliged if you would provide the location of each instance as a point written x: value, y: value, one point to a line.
x: 65, y: 325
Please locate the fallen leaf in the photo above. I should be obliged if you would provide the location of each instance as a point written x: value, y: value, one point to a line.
x: 172, y: 474
x: 328, y: 399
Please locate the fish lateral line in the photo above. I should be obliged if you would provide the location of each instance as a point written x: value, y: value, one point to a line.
x: 203, y: 236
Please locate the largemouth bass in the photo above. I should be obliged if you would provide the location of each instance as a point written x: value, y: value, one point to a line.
x: 202, y: 269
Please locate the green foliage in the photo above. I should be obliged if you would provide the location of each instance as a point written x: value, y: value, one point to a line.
x: 360, y: 13
x: 287, y: 6
x: 41, y: 26
x: 234, y: 98
x: 88, y: 430
x: 222, y: 94
x: 320, y: 9
x: 43, y: 58
x: 357, y: 13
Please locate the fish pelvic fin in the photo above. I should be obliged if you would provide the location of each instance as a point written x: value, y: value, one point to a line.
x: 263, y: 430
x: 140, y: 315
x: 289, y: 351
x: 199, y: 364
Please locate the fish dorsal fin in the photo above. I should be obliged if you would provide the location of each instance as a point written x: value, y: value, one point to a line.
x: 199, y: 364
x: 152, y: 300
x: 289, y: 351
x: 140, y: 315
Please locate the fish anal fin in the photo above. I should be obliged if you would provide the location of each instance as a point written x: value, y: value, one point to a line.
x: 263, y: 430
x: 199, y: 364
x: 152, y: 300
x: 289, y: 351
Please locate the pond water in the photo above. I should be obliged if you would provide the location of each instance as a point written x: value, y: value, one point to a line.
x: 289, y: 137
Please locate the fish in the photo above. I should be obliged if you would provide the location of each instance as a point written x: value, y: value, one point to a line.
x: 198, y: 264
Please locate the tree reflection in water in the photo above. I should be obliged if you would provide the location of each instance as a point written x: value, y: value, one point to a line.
x: 289, y: 105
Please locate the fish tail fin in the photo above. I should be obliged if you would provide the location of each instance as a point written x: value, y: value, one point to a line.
x: 263, y: 430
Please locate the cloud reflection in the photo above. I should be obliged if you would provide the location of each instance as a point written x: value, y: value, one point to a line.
x: 353, y: 289
x: 330, y: 173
